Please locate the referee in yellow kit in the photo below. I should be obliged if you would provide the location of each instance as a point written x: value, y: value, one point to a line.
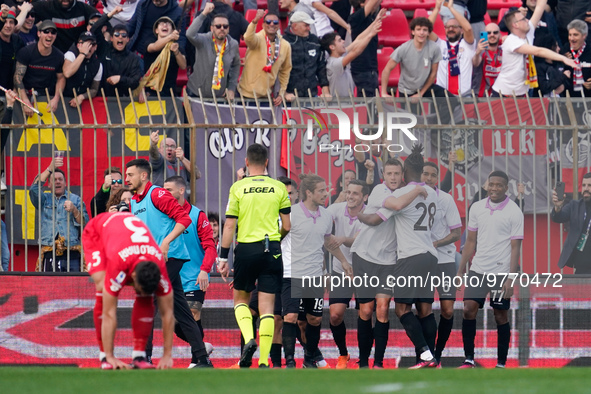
x: 255, y: 204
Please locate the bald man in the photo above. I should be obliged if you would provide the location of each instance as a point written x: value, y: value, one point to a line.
x: 488, y: 59
x: 164, y: 161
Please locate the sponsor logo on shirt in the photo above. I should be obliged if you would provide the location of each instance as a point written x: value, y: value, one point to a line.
x: 259, y: 190
x: 312, y: 52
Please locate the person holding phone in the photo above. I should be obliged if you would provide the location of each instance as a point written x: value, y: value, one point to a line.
x: 488, y: 57
x: 111, y: 185
x: 577, y: 247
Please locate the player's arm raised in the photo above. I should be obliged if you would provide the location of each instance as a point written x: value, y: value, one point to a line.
x: 165, y: 306
x: 109, y: 326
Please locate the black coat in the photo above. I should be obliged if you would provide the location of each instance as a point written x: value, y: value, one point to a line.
x: 572, y: 212
x: 125, y: 64
x: 308, y: 64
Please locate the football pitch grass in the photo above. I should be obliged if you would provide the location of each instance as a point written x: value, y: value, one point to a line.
x: 61, y: 380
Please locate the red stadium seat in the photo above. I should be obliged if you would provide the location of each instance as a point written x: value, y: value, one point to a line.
x: 439, y: 27
x: 499, y: 4
x: 408, y: 5
x: 249, y: 15
x: 394, y: 29
x: 487, y: 19
x: 262, y: 4
x: 502, y: 13
x: 182, y: 78
x: 383, y: 57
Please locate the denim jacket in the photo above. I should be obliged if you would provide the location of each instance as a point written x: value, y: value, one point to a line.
x: 61, y: 215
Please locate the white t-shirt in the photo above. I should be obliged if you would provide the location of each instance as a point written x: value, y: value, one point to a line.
x: 124, y: 16
x: 308, y: 230
x: 377, y: 244
x: 72, y: 57
x: 513, y: 72
x: 321, y: 20
x: 344, y: 226
x: 465, y: 53
x: 414, y: 223
x: 497, y: 224
x: 447, y: 218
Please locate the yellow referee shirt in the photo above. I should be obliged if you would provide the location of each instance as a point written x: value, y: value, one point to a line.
x: 257, y: 201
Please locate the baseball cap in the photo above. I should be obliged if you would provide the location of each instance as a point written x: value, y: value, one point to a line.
x: 47, y: 24
x: 12, y: 15
x: 163, y: 19
x: 87, y: 36
x: 300, y: 16
x: 96, y: 15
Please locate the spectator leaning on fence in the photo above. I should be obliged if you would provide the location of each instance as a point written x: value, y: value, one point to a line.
x: 164, y: 161
x: 62, y: 215
x: 307, y: 59
x: 39, y: 67
x: 82, y: 69
x: 121, y: 68
x: 217, y: 59
x: 268, y: 57
x: 577, y: 247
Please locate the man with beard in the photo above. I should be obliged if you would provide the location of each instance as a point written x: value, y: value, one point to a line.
x: 217, y: 59
x: 577, y: 248
x: 122, y: 69
x: 39, y: 67
x: 167, y: 221
x: 69, y: 16
x: 454, y: 71
x: 489, y: 58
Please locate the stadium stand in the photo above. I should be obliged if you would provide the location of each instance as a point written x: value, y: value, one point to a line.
x: 394, y: 29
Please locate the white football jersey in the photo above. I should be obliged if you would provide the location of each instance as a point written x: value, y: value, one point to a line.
x: 447, y: 218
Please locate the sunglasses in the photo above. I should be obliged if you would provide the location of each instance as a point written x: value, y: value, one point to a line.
x: 114, y: 181
x: 493, y: 32
x: 91, y: 23
x: 222, y: 26
x: 119, y: 34
x: 49, y: 31
x: 271, y: 22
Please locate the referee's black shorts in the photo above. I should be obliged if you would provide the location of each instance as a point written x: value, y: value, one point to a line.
x: 253, y: 265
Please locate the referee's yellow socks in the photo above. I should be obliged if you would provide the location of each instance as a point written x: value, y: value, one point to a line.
x: 244, y: 319
x: 266, y: 330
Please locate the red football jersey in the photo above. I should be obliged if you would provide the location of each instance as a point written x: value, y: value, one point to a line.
x: 116, y: 243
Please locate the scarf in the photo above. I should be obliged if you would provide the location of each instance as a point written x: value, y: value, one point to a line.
x: 272, y: 56
x: 532, y: 73
x: 453, y: 76
x: 156, y: 74
x: 577, y: 72
x: 218, y: 69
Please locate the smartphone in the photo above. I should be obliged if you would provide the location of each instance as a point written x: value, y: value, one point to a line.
x: 484, y: 35
x: 560, y: 190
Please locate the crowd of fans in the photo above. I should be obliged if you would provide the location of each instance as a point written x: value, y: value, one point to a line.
x: 68, y: 46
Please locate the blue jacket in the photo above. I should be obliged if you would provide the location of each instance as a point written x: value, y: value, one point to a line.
x: 48, y: 201
x: 572, y: 212
x: 173, y: 11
